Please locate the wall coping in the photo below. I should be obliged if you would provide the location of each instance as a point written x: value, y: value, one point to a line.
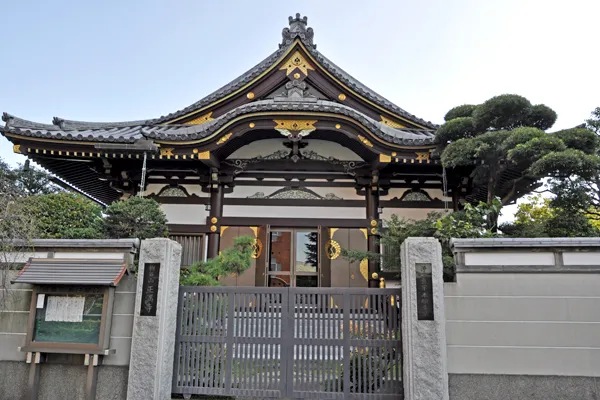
x: 127, y: 244
x: 460, y: 244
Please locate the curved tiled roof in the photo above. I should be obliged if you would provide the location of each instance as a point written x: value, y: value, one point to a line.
x: 130, y: 134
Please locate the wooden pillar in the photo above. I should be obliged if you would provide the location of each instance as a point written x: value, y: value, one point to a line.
x: 91, y: 382
x: 372, y: 200
x: 33, y: 384
x: 216, y: 212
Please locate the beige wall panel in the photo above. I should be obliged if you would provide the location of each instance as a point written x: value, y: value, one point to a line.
x: 340, y: 269
x: 248, y: 278
x: 226, y: 242
x: 524, y: 284
x: 357, y: 241
x: 187, y: 214
x: 581, y: 258
x: 525, y: 308
x: 292, y: 212
x: 91, y: 255
x: 506, y: 258
x: 520, y: 333
x: 524, y: 361
x: 8, y: 347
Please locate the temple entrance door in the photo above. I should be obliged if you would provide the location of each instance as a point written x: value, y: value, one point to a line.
x: 294, y: 258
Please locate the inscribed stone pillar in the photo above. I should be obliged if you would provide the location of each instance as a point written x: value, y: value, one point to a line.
x: 423, y: 320
x: 155, y: 318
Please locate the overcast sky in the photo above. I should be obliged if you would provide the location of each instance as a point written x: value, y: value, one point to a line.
x: 118, y: 60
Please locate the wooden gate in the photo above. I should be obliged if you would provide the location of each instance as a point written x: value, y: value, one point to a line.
x: 289, y: 343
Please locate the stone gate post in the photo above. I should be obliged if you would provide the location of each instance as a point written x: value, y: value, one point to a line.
x: 423, y: 321
x: 155, y: 319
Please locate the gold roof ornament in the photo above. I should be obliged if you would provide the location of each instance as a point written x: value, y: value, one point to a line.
x: 391, y: 123
x: 200, y: 120
x: 297, y: 60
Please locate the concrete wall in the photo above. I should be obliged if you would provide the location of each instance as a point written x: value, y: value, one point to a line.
x: 523, y: 319
x: 63, y: 376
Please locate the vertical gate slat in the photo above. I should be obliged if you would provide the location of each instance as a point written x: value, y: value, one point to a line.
x: 177, y: 358
x: 209, y: 324
x: 229, y: 343
x: 346, y: 343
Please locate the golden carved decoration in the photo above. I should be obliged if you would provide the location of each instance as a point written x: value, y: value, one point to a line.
x: 250, y: 95
x: 214, y: 220
x: 373, y: 222
x: 342, y: 97
x: 373, y: 231
x: 332, y: 232
x: 422, y: 156
x: 297, y: 76
x: 374, y: 275
x: 365, y: 141
x: 333, y: 249
x: 223, y: 228
x: 297, y: 60
x: 364, y: 268
x: 166, y: 151
x: 251, y: 124
x: 393, y: 300
x: 385, y: 158
x: 337, y: 126
x: 394, y: 154
x: 200, y: 120
x: 195, y: 151
x: 213, y: 228
x: 391, y: 123
x: 352, y: 276
x: 224, y: 138
x: 255, y: 230
x: 17, y: 148
x: 364, y: 231
x: 295, y: 125
x: 205, y: 155
x: 257, y: 247
x: 382, y: 283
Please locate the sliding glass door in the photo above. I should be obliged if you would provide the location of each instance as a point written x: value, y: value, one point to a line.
x: 294, y: 258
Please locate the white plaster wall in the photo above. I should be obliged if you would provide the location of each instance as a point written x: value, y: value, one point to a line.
x: 321, y: 147
x: 581, y: 258
x: 344, y: 193
x: 293, y: 212
x: 523, y: 323
x: 503, y: 258
x: 187, y: 214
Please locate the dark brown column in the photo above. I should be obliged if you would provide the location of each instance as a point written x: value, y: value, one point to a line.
x: 216, y: 212
x: 372, y: 198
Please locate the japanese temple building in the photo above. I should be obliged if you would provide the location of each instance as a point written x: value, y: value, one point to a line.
x: 294, y: 152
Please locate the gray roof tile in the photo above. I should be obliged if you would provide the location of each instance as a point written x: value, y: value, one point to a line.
x: 48, y: 271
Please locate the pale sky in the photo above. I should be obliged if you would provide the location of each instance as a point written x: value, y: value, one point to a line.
x: 125, y: 60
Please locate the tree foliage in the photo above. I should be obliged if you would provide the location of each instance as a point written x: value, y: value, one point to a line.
x: 504, y: 141
x: 64, y: 215
x: 136, y: 217
x: 593, y: 123
x: 538, y: 217
x: 234, y: 260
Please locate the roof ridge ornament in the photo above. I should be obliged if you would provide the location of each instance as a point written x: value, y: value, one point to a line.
x: 298, y: 29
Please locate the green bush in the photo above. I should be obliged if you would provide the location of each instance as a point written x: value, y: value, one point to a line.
x: 136, y: 217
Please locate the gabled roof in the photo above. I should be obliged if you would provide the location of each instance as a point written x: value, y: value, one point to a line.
x: 298, y: 32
